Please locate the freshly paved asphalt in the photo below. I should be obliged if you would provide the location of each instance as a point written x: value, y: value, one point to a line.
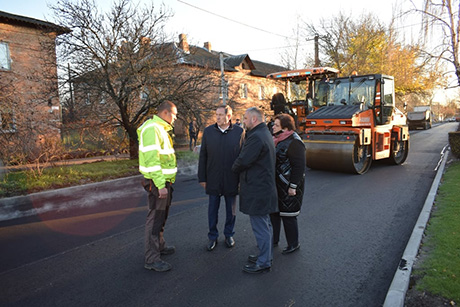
x: 110, y: 258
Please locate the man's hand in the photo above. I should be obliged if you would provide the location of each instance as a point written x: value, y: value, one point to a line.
x: 203, y: 184
x: 291, y: 192
x: 163, y: 193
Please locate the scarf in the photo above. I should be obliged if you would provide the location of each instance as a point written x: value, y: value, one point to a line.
x: 281, y: 136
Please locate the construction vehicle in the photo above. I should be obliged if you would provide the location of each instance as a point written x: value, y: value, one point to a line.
x: 300, y: 90
x: 420, y: 118
x: 353, y: 122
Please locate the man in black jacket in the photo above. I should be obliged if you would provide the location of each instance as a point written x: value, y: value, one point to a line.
x: 220, y: 146
x: 258, y: 197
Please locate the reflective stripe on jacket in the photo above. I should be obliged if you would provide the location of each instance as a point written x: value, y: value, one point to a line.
x: 157, y: 160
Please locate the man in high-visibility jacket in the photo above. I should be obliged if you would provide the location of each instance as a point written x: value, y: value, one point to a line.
x: 157, y: 162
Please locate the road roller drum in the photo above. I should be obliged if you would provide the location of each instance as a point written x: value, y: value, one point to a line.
x: 337, y: 153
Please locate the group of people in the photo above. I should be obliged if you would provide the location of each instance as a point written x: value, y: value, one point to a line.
x: 266, y: 171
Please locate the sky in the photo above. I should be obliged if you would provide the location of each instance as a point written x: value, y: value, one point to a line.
x: 259, y: 28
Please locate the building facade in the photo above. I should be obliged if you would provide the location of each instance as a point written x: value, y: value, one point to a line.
x: 242, y: 81
x: 29, y: 99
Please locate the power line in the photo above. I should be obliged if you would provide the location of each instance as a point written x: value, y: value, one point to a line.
x: 235, y: 21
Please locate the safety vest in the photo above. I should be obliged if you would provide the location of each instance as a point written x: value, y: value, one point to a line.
x: 157, y: 160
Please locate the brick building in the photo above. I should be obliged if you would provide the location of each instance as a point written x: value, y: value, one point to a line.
x: 245, y: 84
x: 29, y: 100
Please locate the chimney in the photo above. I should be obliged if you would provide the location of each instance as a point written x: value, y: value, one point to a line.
x: 183, y: 43
x: 144, y: 44
x: 207, y: 45
x: 145, y: 41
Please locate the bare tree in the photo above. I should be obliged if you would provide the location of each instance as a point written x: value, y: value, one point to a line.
x: 441, y: 17
x: 291, y: 57
x: 122, y: 66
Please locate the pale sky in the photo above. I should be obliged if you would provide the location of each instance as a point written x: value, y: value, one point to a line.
x: 200, y: 21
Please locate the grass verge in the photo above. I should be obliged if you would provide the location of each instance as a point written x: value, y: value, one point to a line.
x: 28, y: 181
x: 439, y: 270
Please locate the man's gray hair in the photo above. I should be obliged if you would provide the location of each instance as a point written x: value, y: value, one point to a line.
x: 255, y: 111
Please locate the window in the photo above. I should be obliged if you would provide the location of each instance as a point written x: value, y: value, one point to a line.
x: 144, y: 94
x: 88, y: 100
x: 262, y: 95
x: 243, y: 90
x: 7, y: 122
x: 5, y: 61
x: 388, y: 92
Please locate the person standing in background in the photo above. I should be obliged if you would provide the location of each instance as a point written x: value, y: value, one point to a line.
x: 193, y: 133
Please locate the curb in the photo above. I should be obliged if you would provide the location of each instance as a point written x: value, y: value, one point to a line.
x: 397, y: 292
x: 7, y: 204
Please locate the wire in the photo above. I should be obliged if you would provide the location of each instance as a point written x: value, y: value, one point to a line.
x: 235, y: 21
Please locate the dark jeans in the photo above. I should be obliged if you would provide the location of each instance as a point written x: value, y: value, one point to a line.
x: 213, y: 216
x: 291, y: 229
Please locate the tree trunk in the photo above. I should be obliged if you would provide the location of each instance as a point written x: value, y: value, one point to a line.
x: 133, y: 144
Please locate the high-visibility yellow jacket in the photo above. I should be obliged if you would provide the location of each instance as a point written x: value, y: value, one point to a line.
x: 157, y: 160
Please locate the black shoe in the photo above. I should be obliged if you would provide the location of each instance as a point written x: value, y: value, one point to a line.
x: 253, y: 258
x: 254, y: 269
x: 275, y: 243
x: 230, y: 242
x: 168, y: 250
x: 290, y: 249
x: 212, y: 244
x: 159, y: 266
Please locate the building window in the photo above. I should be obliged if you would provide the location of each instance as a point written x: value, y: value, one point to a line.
x: 5, y: 61
x: 103, y: 98
x: 144, y: 95
x: 88, y: 100
x: 243, y: 90
x: 262, y: 94
x: 7, y: 121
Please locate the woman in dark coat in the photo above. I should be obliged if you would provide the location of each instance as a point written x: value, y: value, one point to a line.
x: 290, y: 179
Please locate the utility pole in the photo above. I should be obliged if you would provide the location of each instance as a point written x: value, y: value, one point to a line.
x: 224, y: 91
x: 317, y: 50
x: 70, y: 84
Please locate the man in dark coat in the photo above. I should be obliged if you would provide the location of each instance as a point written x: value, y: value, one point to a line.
x: 220, y: 147
x: 258, y: 198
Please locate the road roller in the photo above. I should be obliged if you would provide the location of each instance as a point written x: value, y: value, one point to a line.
x: 353, y: 122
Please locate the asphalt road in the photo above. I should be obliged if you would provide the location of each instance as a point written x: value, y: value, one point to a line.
x: 85, y: 247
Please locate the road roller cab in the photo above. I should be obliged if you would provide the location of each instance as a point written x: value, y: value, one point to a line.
x: 300, y: 87
x: 355, y: 122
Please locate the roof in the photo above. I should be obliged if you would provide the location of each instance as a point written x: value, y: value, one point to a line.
x: 302, y: 74
x: 31, y: 22
x: 203, y: 57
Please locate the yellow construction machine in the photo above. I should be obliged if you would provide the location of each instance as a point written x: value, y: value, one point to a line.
x: 352, y: 121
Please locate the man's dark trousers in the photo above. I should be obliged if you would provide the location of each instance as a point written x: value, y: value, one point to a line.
x: 155, y: 223
x: 263, y: 231
x: 213, y: 215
